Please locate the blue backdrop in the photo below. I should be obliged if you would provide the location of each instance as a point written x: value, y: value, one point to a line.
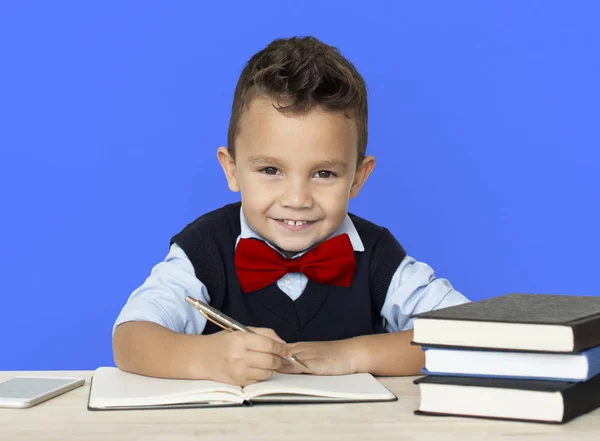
x: 484, y: 118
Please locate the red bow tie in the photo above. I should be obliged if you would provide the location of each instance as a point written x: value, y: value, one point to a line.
x: 330, y: 263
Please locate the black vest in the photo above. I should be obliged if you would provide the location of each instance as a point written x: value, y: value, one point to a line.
x: 322, y: 312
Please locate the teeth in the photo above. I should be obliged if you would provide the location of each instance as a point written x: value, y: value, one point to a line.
x: 294, y: 223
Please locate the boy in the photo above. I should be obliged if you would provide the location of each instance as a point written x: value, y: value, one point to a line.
x: 334, y: 289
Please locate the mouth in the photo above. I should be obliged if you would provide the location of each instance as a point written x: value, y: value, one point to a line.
x: 294, y: 224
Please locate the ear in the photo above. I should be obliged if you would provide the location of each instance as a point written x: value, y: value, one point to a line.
x: 228, y: 165
x: 362, y: 173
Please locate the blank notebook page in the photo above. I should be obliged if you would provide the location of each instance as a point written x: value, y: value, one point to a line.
x: 343, y: 386
x: 112, y: 383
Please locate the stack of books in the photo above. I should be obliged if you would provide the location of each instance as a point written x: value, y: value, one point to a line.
x: 526, y: 357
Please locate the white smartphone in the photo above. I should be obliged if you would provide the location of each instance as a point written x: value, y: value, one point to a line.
x: 21, y: 392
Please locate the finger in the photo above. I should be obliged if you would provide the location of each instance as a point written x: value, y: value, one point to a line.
x: 260, y: 343
x: 267, y: 332
x: 262, y: 360
x: 290, y: 368
x: 255, y: 374
x: 300, y: 345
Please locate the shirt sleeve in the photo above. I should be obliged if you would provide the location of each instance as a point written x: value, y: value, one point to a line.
x: 161, y: 298
x: 415, y: 289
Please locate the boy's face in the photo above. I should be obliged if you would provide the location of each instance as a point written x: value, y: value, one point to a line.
x: 295, y: 169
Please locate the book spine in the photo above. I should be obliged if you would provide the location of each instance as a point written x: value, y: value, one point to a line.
x: 593, y: 359
x: 581, y: 398
x: 586, y: 333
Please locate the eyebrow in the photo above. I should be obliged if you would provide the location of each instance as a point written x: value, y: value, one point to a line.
x: 261, y: 159
x: 330, y: 163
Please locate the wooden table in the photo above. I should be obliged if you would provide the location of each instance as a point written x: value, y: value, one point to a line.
x: 66, y: 418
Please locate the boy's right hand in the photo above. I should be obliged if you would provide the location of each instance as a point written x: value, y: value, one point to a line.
x: 243, y: 358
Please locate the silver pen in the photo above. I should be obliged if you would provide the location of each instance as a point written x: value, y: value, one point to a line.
x: 225, y: 322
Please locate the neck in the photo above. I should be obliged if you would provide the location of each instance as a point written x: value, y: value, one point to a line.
x: 290, y: 254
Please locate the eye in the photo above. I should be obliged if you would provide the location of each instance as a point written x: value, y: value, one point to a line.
x: 324, y: 174
x: 269, y: 170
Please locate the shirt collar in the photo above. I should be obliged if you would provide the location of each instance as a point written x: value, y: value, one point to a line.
x: 347, y: 227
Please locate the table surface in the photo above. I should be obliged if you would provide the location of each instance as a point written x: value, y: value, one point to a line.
x: 66, y: 418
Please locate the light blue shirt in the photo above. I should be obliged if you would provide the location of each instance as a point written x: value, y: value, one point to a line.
x: 161, y: 298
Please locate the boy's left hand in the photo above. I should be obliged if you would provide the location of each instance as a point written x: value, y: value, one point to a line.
x: 322, y: 358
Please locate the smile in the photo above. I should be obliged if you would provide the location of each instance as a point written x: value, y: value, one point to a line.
x: 293, y: 222
x: 294, y: 225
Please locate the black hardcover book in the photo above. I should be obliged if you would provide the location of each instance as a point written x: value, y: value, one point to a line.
x: 522, y: 400
x: 521, y: 322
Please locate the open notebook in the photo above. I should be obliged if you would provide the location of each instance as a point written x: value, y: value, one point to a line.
x: 113, y: 389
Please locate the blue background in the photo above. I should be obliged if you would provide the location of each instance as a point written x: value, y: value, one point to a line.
x: 484, y: 118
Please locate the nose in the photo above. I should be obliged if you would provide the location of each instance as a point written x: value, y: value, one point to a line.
x: 297, y: 194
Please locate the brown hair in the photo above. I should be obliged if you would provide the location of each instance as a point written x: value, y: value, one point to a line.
x: 300, y: 74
